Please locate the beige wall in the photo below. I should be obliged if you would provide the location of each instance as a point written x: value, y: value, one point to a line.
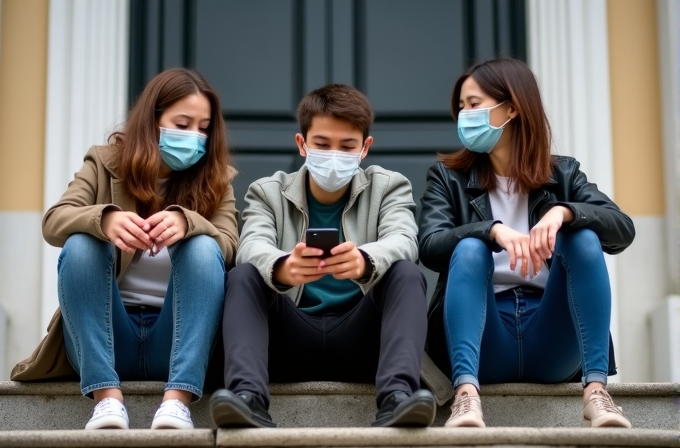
x: 22, y: 103
x: 636, y: 107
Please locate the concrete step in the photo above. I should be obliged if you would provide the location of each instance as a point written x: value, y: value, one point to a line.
x: 54, y: 406
x: 344, y: 437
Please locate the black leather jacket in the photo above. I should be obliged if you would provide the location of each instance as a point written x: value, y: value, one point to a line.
x: 454, y: 206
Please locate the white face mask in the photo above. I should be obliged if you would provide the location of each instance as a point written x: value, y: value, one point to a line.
x: 332, y: 169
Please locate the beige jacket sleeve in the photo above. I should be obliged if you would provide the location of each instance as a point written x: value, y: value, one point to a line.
x: 81, y: 207
x: 222, y: 225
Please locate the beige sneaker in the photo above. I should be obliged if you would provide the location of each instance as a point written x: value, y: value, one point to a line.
x: 466, y: 411
x: 600, y: 411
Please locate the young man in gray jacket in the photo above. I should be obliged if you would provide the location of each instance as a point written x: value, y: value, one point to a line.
x: 356, y: 315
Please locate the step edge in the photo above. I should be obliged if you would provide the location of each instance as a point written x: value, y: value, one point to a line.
x: 130, y: 439
x: 334, y: 388
x: 444, y: 436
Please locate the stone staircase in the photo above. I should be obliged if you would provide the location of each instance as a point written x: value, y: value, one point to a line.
x: 337, y: 414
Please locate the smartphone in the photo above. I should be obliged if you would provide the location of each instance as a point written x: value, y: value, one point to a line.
x: 325, y: 239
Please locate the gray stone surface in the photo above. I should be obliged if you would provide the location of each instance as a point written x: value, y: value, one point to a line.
x: 369, y: 437
x: 60, y: 406
x: 108, y: 439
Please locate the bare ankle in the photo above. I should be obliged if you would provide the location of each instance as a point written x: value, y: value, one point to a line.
x: 110, y: 392
x: 469, y: 388
x: 181, y: 395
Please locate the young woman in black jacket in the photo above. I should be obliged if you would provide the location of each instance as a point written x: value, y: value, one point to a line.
x: 517, y: 236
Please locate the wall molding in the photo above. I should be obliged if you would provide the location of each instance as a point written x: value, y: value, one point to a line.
x: 87, y: 78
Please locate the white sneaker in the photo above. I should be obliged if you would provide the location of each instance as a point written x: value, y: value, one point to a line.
x: 172, y: 414
x: 109, y: 414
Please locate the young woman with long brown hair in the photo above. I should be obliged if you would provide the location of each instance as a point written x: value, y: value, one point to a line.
x: 147, y: 227
x: 517, y: 236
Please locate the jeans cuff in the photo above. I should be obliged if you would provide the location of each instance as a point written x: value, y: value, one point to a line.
x: 198, y: 393
x: 86, y: 391
x: 466, y: 379
x: 594, y: 377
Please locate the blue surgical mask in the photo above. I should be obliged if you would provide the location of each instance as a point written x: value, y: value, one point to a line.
x: 475, y: 131
x: 181, y: 149
x: 332, y: 169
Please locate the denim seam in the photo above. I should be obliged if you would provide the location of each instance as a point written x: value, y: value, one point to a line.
x: 105, y: 385
x: 185, y: 387
x: 572, y: 304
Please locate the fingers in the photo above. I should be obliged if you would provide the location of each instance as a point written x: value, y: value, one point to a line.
x: 524, y: 256
x: 122, y: 245
x: 342, y: 248
x: 138, y: 221
x: 137, y: 234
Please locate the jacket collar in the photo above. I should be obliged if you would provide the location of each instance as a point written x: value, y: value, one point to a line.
x: 295, y: 189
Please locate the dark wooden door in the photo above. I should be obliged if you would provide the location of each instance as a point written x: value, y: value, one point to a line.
x: 262, y: 56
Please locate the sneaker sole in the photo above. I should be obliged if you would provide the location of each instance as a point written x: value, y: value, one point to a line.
x: 418, y: 414
x: 228, y: 413
x: 108, y: 422
x: 167, y: 422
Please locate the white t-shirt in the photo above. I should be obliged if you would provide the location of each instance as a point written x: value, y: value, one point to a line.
x: 146, y: 280
x: 512, y: 209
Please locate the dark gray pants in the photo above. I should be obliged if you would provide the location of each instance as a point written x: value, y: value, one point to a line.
x: 380, y: 340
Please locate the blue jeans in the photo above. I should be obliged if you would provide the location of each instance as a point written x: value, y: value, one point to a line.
x: 106, y: 344
x: 526, y: 334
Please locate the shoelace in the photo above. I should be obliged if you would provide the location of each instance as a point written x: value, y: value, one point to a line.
x: 103, y: 407
x: 603, y: 402
x: 462, y: 404
x: 177, y: 408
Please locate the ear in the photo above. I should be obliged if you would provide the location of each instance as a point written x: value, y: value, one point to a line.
x: 512, y: 111
x: 300, y: 140
x: 367, y: 144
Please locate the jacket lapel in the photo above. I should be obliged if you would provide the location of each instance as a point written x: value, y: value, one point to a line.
x: 479, y: 198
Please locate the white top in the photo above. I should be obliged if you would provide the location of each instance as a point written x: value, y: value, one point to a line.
x: 512, y: 209
x: 146, y: 279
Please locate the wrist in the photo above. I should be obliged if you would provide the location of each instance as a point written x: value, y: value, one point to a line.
x: 279, y: 271
x: 567, y: 214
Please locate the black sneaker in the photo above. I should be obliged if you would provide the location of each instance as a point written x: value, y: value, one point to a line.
x: 401, y: 409
x: 242, y: 410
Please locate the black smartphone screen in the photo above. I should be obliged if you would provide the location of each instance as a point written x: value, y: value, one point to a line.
x: 325, y: 239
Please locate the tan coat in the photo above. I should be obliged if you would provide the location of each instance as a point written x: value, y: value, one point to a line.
x: 97, y: 187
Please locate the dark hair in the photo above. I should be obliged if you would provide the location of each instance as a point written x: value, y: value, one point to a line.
x: 201, y: 187
x: 338, y: 101
x: 512, y: 81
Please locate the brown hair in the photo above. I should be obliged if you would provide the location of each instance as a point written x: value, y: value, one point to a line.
x: 512, y: 81
x: 200, y: 187
x: 338, y: 101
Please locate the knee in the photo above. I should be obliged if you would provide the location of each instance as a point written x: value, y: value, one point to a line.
x: 82, y: 250
x: 243, y: 273
x: 582, y: 244
x: 407, y: 271
x: 471, y: 254
x: 199, y: 253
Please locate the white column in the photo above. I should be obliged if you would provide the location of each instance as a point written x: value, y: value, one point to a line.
x: 569, y: 53
x: 86, y: 99
x: 668, y: 19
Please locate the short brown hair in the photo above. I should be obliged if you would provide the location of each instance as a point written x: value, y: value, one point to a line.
x: 200, y: 188
x: 510, y: 80
x: 338, y: 101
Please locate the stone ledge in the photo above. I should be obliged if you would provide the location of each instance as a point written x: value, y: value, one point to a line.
x: 334, y: 388
x: 111, y: 438
x: 373, y: 437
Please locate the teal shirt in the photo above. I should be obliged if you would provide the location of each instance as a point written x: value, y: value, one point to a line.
x: 328, y: 293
